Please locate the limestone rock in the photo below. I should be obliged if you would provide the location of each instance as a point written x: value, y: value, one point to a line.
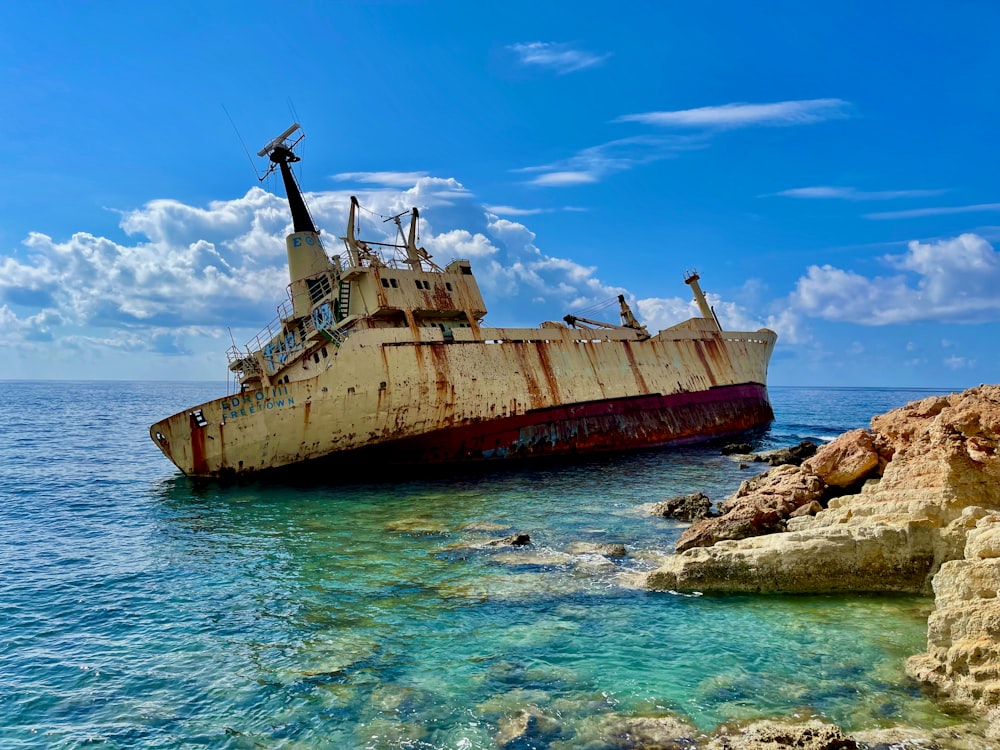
x: 692, y: 507
x: 760, y: 506
x: 736, y: 449
x: 962, y: 663
x: 846, y: 461
x: 940, y: 473
x: 773, y: 735
x: 809, y: 509
x: 738, y: 524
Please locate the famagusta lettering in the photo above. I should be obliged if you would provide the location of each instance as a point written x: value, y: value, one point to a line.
x: 246, y: 404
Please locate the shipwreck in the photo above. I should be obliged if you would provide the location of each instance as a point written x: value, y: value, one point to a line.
x: 380, y: 357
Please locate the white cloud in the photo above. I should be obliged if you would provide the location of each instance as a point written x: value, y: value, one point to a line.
x: 561, y: 58
x: 388, y: 179
x: 561, y: 179
x: 460, y: 243
x: 596, y: 162
x: 739, y: 114
x: 959, y: 363
x: 660, y: 313
x: 952, y: 280
x: 188, y: 272
x: 514, y: 211
x: 853, y: 194
x: 916, y: 213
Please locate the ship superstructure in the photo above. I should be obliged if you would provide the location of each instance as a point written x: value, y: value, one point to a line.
x: 379, y: 356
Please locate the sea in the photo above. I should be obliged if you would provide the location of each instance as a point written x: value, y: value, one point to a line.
x: 141, y: 609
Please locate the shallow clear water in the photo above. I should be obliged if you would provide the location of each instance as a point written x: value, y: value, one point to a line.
x: 141, y: 609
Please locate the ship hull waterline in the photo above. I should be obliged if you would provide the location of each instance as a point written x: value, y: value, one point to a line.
x: 568, y: 430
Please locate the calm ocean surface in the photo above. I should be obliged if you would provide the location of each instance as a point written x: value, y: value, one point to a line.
x: 140, y: 609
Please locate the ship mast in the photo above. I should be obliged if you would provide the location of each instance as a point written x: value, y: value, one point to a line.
x: 306, y: 257
x: 279, y: 151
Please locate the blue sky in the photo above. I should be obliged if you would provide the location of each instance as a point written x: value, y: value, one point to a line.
x: 829, y: 168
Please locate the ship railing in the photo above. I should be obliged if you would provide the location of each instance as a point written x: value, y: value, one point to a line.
x: 381, y: 259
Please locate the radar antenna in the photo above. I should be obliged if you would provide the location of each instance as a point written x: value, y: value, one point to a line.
x: 280, y: 151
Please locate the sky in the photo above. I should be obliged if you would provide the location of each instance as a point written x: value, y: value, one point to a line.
x: 829, y: 168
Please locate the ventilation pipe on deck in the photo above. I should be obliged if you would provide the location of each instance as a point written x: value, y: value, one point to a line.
x: 691, y: 279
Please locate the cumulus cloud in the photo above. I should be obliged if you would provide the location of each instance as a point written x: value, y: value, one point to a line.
x: 952, y: 280
x: 741, y: 114
x: 188, y: 272
x: 560, y: 58
x: 660, y: 313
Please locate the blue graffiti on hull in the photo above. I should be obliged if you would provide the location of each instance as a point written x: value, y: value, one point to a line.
x: 255, y: 402
x: 280, y: 350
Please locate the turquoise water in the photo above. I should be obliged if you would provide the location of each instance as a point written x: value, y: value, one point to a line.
x: 141, y: 609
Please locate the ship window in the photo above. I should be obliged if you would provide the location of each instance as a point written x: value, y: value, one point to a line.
x: 447, y: 285
x: 315, y: 357
x: 385, y: 283
x: 350, y: 389
x: 381, y: 386
x: 426, y: 285
x: 467, y: 270
x: 323, y: 352
x: 417, y: 282
x: 393, y: 283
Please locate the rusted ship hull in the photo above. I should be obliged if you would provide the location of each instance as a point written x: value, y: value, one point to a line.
x: 580, y: 429
x: 384, y: 398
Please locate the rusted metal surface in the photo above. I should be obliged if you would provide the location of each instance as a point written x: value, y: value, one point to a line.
x: 383, y: 388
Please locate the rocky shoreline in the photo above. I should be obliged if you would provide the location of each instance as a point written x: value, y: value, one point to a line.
x: 910, y: 505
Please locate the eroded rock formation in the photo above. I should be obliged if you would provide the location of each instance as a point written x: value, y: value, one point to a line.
x: 962, y: 663
x: 915, y: 484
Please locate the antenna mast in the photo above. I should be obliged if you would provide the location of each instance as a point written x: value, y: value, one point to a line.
x: 280, y: 151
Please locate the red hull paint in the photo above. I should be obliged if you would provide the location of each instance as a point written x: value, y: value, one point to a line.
x: 618, y: 424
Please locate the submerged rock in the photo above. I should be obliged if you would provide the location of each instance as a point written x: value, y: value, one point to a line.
x: 736, y: 449
x: 596, y: 548
x: 635, y: 732
x: 526, y: 727
x: 513, y: 540
x: 793, y: 456
x: 691, y: 507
